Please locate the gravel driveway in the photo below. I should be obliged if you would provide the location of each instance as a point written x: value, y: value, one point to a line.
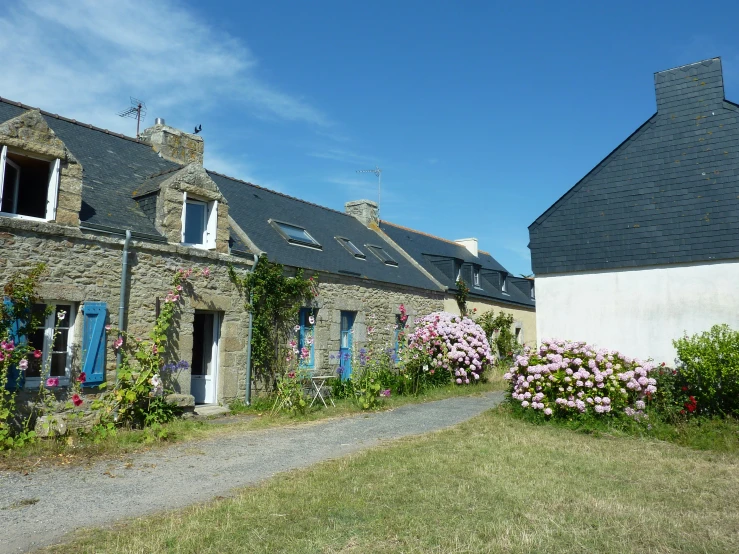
x: 40, y: 508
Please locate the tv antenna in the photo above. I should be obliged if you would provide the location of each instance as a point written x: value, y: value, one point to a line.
x: 377, y: 171
x: 137, y: 111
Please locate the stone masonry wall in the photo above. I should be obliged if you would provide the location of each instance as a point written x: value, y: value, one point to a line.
x: 375, y: 304
x: 84, y: 267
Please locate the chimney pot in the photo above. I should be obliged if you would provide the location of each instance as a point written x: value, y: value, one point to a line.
x: 159, y: 121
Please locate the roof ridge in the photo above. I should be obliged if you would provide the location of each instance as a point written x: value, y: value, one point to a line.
x: 278, y: 193
x: 425, y: 234
x: 69, y: 120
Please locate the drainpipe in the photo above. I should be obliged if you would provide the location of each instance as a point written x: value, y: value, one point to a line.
x: 248, y: 347
x: 122, y: 304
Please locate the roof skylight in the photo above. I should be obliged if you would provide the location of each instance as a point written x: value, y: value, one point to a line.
x: 294, y: 234
x: 351, y: 248
x: 383, y: 256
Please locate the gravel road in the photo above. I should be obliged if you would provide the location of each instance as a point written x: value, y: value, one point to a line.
x: 40, y: 508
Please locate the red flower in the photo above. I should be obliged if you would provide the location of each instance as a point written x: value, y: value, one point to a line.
x: 76, y: 400
x: 690, y: 407
x: 82, y: 377
x: 37, y: 353
x: 685, y: 389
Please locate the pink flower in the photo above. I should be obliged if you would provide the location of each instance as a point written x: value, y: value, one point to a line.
x: 82, y: 377
x: 76, y: 400
x: 179, y: 287
x: 118, y: 343
x: 23, y: 364
x: 205, y: 272
x: 385, y: 393
x: 2, y: 356
x: 52, y: 382
x: 107, y: 327
x: 37, y: 353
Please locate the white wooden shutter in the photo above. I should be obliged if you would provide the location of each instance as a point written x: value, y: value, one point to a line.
x: 184, y: 215
x: 53, y: 191
x: 3, y: 156
x: 212, y: 225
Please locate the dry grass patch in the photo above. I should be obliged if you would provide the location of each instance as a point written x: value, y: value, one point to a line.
x: 494, y: 484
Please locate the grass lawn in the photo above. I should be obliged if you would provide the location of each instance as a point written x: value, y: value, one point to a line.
x: 81, y: 450
x: 493, y: 484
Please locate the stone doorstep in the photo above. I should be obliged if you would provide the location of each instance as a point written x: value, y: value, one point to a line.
x: 210, y: 410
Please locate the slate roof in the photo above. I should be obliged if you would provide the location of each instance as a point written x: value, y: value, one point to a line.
x: 252, y: 206
x: 117, y: 169
x: 668, y: 194
x: 435, y: 254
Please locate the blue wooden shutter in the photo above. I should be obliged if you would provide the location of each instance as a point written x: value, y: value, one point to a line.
x: 16, y: 377
x: 93, y: 342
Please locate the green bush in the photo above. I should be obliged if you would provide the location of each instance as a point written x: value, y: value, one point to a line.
x: 708, y: 368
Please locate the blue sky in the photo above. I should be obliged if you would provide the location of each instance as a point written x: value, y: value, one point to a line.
x: 481, y: 114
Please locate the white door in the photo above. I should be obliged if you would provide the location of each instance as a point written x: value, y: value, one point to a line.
x: 204, y: 368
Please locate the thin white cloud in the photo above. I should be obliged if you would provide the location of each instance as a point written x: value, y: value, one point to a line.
x: 344, y: 156
x: 82, y: 58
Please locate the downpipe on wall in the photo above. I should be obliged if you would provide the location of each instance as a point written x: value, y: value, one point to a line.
x: 248, y: 347
x: 122, y: 304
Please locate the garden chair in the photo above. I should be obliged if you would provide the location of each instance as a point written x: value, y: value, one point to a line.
x: 319, y: 389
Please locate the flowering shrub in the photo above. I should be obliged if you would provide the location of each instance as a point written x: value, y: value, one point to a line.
x: 454, y: 346
x: 563, y: 378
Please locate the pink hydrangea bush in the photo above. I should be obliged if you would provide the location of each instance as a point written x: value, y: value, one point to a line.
x: 452, y: 344
x: 562, y: 378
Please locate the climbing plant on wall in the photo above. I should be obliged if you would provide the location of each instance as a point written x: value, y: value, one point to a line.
x: 274, y: 300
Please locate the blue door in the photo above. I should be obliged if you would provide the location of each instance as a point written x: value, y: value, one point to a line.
x: 345, y: 348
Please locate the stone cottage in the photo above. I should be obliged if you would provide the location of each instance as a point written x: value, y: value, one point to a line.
x: 77, y: 197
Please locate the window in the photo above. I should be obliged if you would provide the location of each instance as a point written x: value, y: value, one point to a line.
x: 383, y: 256
x: 533, y: 296
x: 503, y: 283
x: 306, y: 336
x: 199, y: 221
x: 476, y: 277
x: 294, y: 234
x: 351, y: 248
x: 56, y: 350
x: 28, y: 186
x: 518, y: 334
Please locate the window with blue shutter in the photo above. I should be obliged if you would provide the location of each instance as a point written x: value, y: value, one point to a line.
x: 93, y: 342
x: 16, y: 378
x: 399, y: 329
x: 305, y: 338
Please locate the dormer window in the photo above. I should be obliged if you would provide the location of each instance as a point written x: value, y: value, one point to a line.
x: 476, y: 277
x: 504, y: 284
x: 28, y: 186
x: 199, y: 222
x: 351, y: 248
x: 295, y: 235
x: 382, y: 255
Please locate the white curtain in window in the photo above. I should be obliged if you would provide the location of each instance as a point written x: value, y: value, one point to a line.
x: 3, y: 156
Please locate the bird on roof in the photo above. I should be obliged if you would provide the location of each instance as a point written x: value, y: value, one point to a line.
x: 198, y: 129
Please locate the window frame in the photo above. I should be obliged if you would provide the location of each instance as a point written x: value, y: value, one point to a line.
x: 52, y: 186
x: 312, y: 243
x: 348, y: 245
x: 49, y: 324
x: 390, y: 261
x: 476, y: 277
x: 210, y: 225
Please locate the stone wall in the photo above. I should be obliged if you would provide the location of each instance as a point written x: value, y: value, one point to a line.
x: 523, y: 318
x: 84, y: 267
x: 376, y: 304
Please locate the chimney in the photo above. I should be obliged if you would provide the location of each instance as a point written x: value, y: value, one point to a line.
x: 172, y: 144
x: 696, y: 85
x: 364, y: 210
x: 469, y: 244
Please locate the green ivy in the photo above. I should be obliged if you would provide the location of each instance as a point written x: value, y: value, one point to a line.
x: 274, y: 300
x: 463, y: 292
x: 500, y: 327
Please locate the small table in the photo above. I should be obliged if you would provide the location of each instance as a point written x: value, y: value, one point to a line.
x: 318, y: 382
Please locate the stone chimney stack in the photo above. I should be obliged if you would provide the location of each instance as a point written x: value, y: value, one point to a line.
x: 172, y: 144
x: 469, y: 244
x: 364, y: 210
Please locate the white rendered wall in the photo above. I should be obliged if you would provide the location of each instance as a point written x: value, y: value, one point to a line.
x: 638, y: 312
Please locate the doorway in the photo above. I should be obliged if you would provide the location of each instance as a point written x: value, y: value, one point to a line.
x: 204, y: 369
x: 345, y: 345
